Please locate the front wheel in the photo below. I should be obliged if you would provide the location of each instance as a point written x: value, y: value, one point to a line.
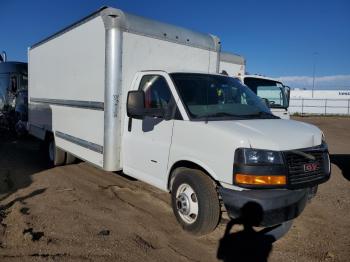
x: 195, y: 201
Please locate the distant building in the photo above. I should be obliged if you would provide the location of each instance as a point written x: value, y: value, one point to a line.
x: 320, y: 94
x: 323, y: 102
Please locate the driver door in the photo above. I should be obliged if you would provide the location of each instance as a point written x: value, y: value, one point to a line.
x: 147, y: 141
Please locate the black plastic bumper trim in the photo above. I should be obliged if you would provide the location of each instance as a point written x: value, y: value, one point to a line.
x: 278, y: 205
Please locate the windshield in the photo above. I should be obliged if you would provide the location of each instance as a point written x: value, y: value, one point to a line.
x: 210, y: 97
x: 269, y: 89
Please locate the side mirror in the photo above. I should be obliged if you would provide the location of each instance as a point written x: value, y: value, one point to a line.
x: 135, y: 107
x: 287, y: 92
x: 135, y: 104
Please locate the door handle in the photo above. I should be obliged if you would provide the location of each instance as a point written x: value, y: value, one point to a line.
x: 129, y: 124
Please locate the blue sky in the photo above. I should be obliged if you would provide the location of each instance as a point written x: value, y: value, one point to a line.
x: 278, y: 38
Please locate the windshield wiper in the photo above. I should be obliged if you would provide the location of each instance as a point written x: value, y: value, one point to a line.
x: 219, y: 114
x: 263, y: 114
x: 224, y: 114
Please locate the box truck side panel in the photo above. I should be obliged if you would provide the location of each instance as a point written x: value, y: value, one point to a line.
x: 70, y: 66
x: 66, y: 89
x: 233, y: 64
x: 83, y: 139
x: 232, y: 69
x: 148, y: 53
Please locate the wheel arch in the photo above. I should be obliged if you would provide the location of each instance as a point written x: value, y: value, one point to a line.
x: 193, y: 165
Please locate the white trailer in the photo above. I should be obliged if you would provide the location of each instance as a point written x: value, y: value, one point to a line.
x: 128, y: 93
x: 265, y: 87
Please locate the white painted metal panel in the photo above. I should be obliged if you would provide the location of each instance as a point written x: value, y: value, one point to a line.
x: 78, y: 122
x: 146, y: 145
x: 146, y: 53
x: 212, y: 145
x: 70, y: 67
x: 81, y: 152
x: 232, y: 69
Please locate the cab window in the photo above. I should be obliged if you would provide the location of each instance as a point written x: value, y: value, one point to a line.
x: 157, y: 92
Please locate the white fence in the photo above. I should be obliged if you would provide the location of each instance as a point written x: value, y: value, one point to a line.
x: 319, y: 106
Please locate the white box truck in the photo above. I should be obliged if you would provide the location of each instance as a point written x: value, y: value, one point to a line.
x: 127, y: 93
x: 273, y: 91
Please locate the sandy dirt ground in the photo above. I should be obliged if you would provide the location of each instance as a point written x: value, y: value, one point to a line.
x: 80, y: 213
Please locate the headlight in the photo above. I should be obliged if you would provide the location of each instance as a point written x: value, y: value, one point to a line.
x: 250, y: 156
x: 259, y: 168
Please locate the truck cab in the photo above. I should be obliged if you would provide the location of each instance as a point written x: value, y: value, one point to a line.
x: 209, y: 130
x: 272, y: 91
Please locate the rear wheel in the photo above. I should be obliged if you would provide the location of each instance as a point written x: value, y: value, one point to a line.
x: 195, y: 201
x: 55, y: 155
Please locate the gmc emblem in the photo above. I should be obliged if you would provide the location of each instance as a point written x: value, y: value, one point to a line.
x: 311, y: 167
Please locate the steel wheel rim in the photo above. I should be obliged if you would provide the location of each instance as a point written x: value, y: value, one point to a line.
x: 187, y: 203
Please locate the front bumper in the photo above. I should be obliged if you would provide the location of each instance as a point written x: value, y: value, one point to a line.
x: 278, y: 205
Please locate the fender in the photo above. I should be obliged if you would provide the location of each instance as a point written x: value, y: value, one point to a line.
x: 190, y: 163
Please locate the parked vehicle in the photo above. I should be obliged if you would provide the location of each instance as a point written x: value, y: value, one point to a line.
x: 272, y: 90
x: 13, y: 87
x: 128, y: 93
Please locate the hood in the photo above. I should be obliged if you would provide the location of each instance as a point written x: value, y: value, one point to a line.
x: 272, y: 134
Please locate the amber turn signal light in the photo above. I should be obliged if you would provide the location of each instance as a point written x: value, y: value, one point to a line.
x: 260, y: 180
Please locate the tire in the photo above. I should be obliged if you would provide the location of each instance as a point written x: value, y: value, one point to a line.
x: 195, y: 201
x: 55, y: 156
x: 70, y: 159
